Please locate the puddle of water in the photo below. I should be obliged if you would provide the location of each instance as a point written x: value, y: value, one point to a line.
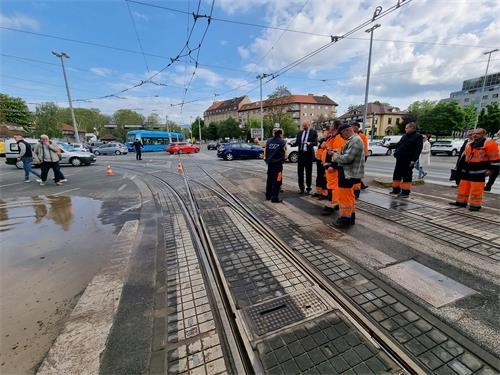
x: 51, y: 246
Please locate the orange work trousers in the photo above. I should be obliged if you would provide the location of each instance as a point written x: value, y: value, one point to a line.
x: 332, y: 183
x: 346, y: 202
x: 471, y: 192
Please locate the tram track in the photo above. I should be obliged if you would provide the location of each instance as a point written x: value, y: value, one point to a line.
x: 372, y: 330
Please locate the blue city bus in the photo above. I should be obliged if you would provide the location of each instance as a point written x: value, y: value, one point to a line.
x: 153, y: 140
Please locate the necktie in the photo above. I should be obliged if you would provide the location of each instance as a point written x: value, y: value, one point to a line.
x: 304, y: 140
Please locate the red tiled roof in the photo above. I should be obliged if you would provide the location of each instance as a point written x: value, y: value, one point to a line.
x: 290, y: 99
x: 70, y: 128
x: 229, y: 104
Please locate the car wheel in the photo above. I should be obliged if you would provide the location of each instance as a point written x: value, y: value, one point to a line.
x: 293, y: 157
x: 96, y: 153
x: 75, y: 162
x: 171, y: 153
x: 229, y: 157
x: 454, y: 153
x: 389, y: 152
x: 118, y: 152
x: 370, y: 152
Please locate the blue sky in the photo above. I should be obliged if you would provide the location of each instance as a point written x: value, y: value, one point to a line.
x: 422, y: 51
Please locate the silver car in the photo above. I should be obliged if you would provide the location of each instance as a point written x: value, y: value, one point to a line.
x: 113, y: 148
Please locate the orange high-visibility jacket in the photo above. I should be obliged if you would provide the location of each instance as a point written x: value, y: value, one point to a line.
x: 365, y: 141
x: 335, y: 143
x: 322, y: 146
x: 480, y: 157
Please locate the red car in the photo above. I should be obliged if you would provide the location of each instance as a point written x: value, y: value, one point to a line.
x: 181, y: 148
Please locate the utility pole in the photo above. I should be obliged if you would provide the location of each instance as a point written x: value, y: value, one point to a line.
x: 167, y: 128
x: 365, y: 114
x: 261, y: 77
x: 484, y: 84
x: 62, y: 56
x: 199, y: 130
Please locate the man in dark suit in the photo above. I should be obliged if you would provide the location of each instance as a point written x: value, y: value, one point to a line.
x: 306, y: 140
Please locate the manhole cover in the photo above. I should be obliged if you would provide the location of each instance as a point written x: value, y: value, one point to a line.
x: 283, y: 311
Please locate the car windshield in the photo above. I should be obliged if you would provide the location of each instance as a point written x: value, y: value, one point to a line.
x: 67, y: 147
x: 438, y: 143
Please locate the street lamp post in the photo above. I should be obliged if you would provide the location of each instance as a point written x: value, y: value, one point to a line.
x: 199, y: 130
x: 62, y: 56
x: 261, y: 77
x: 484, y: 84
x: 365, y: 114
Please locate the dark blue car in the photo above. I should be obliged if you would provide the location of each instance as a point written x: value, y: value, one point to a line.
x: 230, y: 151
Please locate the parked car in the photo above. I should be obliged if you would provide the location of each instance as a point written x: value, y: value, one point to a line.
x: 93, y: 145
x: 377, y: 148
x: 230, y: 151
x: 293, y: 150
x: 449, y: 147
x: 80, y: 147
x: 112, y: 148
x: 182, y: 148
x: 213, y: 145
x: 76, y: 158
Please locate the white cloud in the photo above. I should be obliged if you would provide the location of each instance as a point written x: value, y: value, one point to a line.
x: 20, y: 21
x: 101, y: 72
x: 244, y: 52
x: 140, y: 16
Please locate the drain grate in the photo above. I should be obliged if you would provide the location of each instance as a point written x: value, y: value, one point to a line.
x: 283, y: 311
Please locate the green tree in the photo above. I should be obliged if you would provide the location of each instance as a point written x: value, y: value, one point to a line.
x: 153, y: 119
x: 195, y: 128
x: 15, y: 111
x: 87, y: 119
x: 489, y: 118
x: 47, y: 120
x: 419, y: 107
x: 212, y: 131
x: 229, y: 128
x: 124, y: 117
x: 443, y: 119
x: 290, y: 128
x: 469, y: 116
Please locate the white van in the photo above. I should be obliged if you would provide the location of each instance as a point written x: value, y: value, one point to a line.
x: 448, y: 147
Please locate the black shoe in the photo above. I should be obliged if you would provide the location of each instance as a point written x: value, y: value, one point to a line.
x: 316, y: 195
x: 342, y: 222
x: 395, y: 192
x: 404, y: 195
x: 301, y: 191
x: 458, y: 204
x: 363, y: 187
x: 308, y: 191
x: 474, y: 208
x: 327, y: 211
x: 276, y: 200
x: 353, y: 218
x: 487, y: 188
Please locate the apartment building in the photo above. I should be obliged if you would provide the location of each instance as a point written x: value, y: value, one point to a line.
x: 300, y: 107
x: 383, y: 119
x: 222, y: 110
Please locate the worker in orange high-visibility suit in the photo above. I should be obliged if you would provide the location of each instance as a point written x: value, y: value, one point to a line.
x: 356, y: 127
x: 321, y: 189
x: 333, y: 145
x: 482, y: 158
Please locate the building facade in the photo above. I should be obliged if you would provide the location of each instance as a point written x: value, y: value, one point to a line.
x: 299, y: 107
x: 381, y: 119
x: 222, y: 110
x: 471, y: 91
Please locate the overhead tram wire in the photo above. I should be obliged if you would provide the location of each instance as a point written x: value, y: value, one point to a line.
x: 378, y: 14
x: 137, y: 35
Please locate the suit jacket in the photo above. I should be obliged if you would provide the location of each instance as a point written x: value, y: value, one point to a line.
x: 312, y: 137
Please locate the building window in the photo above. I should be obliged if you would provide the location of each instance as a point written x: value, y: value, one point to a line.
x: 397, y: 121
x: 376, y: 120
x: 466, y: 100
x: 389, y: 121
x: 485, y: 96
x: 305, y: 106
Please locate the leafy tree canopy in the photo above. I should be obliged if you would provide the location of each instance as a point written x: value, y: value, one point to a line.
x: 443, y: 119
x: 489, y: 118
x: 279, y: 92
x: 15, y: 110
x: 47, y: 120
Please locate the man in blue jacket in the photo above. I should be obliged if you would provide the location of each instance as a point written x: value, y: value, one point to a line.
x: 407, y: 152
x: 274, y: 156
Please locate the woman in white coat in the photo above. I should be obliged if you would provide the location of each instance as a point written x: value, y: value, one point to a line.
x: 425, y: 157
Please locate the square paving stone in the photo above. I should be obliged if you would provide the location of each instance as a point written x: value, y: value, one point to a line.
x: 351, y: 358
x: 329, y: 350
x: 326, y: 368
x: 331, y: 333
x: 275, y: 371
x: 430, y: 360
x: 320, y: 338
x: 362, y: 369
x: 453, y: 348
x: 295, y: 348
x: 422, y: 325
x: 341, y: 345
x: 399, y: 307
x: 342, y: 328
x: 459, y: 368
x: 316, y: 356
x: 283, y: 354
x: 442, y: 354
x: 376, y: 365
x: 426, y: 341
x: 402, y: 336
x: 276, y: 343
x: 352, y: 339
x: 290, y: 367
x: 471, y: 361
x: 304, y: 362
x: 378, y: 315
x: 269, y: 360
x: 415, y: 347
x: 363, y: 352
x: 339, y: 364
x: 437, y: 336
x: 308, y: 343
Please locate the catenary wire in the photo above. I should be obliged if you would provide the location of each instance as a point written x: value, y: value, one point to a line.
x: 137, y: 35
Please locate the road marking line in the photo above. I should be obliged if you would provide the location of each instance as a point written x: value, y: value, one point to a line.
x: 65, y: 191
x: 15, y: 183
x: 122, y: 187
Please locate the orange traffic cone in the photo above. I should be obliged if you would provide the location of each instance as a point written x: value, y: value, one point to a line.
x: 109, y: 172
x: 180, y: 170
